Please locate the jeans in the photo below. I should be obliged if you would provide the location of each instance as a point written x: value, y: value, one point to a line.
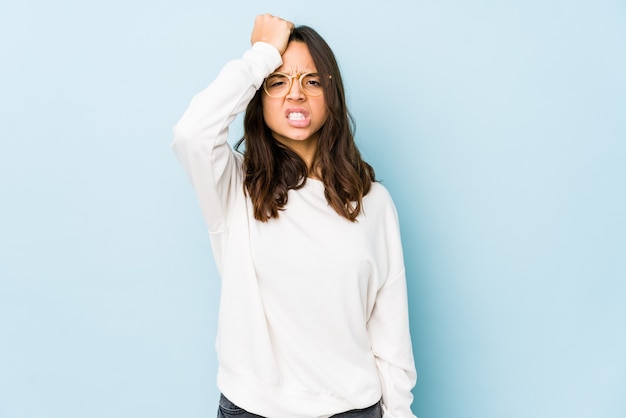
x: 227, y: 409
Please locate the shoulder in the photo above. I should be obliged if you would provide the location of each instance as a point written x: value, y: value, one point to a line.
x: 378, y: 202
x: 378, y: 194
x: 380, y: 218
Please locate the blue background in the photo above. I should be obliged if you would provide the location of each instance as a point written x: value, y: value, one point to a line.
x: 497, y: 126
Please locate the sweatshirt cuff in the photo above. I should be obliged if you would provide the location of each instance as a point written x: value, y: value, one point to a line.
x: 267, y: 54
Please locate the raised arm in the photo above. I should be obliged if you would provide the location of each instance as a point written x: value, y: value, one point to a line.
x: 200, y: 135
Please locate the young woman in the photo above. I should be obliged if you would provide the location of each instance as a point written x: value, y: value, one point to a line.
x: 313, y: 318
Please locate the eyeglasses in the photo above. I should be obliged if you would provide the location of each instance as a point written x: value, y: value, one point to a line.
x: 278, y: 85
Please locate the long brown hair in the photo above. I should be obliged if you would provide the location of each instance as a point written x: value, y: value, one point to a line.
x: 271, y: 169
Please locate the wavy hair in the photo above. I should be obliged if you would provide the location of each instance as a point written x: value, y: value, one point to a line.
x: 272, y: 169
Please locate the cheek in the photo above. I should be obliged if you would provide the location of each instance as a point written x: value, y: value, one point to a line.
x: 270, y: 110
x: 322, y: 111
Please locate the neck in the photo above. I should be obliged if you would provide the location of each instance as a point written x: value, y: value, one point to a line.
x: 306, y: 149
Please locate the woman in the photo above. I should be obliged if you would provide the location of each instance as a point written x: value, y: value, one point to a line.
x: 313, y: 318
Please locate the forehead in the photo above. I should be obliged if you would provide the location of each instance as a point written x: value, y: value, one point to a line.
x: 297, y: 59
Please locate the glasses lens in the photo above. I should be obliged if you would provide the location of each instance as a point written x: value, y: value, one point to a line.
x: 277, y: 85
x: 312, y: 85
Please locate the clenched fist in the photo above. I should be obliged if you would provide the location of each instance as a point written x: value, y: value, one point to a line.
x: 272, y: 30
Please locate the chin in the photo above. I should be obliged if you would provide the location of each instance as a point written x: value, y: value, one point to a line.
x: 293, y: 136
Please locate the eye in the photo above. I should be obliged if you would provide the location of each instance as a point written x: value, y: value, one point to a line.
x: 312, y: 80
x: 276, y: 81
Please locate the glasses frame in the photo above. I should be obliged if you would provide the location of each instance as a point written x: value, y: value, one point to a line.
x: 291, y: 77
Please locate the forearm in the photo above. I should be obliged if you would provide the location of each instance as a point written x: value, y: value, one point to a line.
x: 201, y: 134
x: 391, y: 344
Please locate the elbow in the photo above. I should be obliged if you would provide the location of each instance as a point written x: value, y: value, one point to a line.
x: 182, y: 134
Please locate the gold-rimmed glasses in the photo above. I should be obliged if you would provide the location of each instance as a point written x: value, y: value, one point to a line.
x: 278, y: 85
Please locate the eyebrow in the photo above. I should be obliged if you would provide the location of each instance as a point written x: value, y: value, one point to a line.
x: 292, y: 74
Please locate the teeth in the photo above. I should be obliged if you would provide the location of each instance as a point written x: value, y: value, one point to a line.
x: 295, y: 116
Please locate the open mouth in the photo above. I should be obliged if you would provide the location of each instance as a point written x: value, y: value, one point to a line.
x: 296, y: 116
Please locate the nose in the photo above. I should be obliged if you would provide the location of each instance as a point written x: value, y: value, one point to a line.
x: 295, y: 92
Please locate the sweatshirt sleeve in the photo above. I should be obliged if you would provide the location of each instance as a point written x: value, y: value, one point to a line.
x: 388, y: 328
x: 200, y: 136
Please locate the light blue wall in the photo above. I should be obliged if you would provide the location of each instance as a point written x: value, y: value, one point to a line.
x: 498, y: 127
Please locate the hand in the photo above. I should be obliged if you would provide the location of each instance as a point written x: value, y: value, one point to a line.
x: 272, y: 30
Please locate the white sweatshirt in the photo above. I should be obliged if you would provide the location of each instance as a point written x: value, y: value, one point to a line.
x: 313, y: 317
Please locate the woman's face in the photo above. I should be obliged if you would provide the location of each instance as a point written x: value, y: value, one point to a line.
x: 295, y: 117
